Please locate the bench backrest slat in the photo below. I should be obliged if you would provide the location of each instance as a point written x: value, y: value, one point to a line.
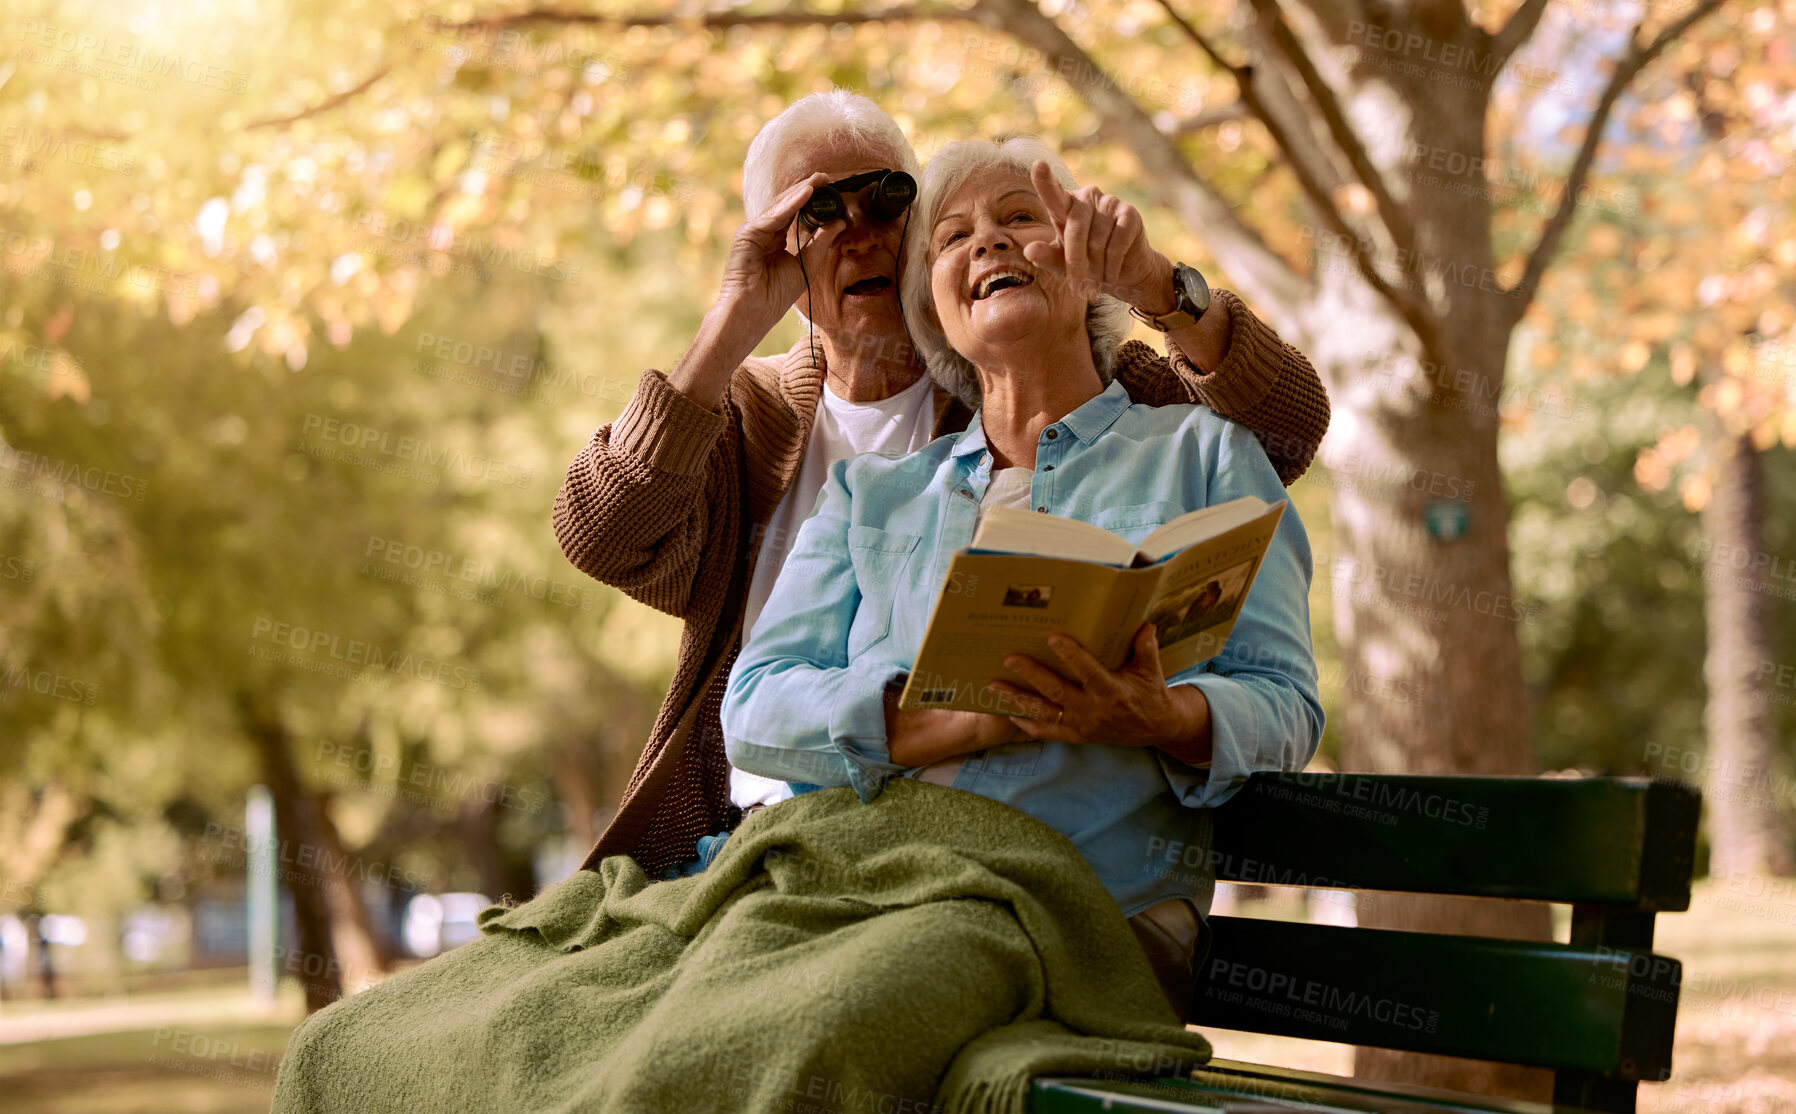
x: 1521, y: 1002
x: 1624, y: 842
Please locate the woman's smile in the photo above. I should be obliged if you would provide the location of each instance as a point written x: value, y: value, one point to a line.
x: 1000, y: 279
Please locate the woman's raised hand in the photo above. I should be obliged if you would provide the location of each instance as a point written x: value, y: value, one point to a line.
x: 761, y: 279
x: 1100, y: 246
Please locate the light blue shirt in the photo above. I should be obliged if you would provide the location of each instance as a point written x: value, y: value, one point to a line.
x: 805, y: 700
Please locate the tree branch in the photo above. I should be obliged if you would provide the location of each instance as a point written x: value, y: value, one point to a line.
x: 1412, y: 311
x: 1206, y: 120
x: 1260, y: 273
x: 1191, y: 125
x: 1631, y: 63
x: 1518, y: 30
x: 327, y: 103
x: 1396, y: 222
x: 791, y: 17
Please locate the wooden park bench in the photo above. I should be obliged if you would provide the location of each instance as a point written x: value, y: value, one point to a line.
x: 1599, y: 1011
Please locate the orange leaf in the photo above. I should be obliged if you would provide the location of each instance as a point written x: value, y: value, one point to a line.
x: 58, y: 327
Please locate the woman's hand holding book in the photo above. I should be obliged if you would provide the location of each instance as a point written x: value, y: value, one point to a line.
x: 1128, y: 706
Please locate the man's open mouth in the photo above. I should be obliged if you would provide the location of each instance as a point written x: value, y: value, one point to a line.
x: 878, y: 284
x: 1000, y: 280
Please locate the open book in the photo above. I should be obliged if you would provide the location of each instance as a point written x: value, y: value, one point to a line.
x: 1029, y: 575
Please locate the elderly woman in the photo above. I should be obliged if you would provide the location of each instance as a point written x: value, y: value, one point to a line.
x: 1010, y: 318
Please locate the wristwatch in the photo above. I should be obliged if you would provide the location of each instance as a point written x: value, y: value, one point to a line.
x: 1193, y: 299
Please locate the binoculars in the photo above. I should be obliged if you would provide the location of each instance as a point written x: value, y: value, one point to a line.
x: 892, y: 193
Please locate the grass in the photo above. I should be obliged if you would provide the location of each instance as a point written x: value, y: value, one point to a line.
x: 1736, y: 1037
x: 1735, y: 1050
x: 198, y: 1069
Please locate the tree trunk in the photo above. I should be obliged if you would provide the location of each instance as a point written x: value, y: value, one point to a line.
x: 477, y: 825
x: 1427, y: 629
x: 575, y: 765
x: 338, y: 949
x: 1424, y: 608
x: 1745, y: 836
x: 33, y: 827
x: 46, y: 969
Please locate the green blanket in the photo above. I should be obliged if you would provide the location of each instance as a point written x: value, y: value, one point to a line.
x: 932, y: 950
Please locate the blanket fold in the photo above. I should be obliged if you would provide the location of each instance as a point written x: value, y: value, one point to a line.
x: 932, y: 950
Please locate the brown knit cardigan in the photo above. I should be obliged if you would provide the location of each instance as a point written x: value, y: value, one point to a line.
x: 661, y: 503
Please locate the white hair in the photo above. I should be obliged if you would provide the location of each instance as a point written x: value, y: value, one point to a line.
x: 838, y: 118
x: 1106, y: 322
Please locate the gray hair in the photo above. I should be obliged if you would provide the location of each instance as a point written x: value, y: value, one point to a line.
x: 838, y: 118
x: 1107, y: 322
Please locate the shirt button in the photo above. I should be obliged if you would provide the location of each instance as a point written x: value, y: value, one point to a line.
x: 1043, y: 510
x: 1047, y: 468
x: 1053, y: 433
x: 986, y: 459
x: 967, y: 493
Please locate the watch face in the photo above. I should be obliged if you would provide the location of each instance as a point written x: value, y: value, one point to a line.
x: 1191, y: 283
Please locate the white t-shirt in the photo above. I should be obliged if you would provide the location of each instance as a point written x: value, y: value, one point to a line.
x: 895, y: 426
x: 1009, y: 487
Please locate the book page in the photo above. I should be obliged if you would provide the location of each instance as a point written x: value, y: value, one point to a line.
x: 1207, y: 522
x: 1011, y: 530
x: 1199, y: 598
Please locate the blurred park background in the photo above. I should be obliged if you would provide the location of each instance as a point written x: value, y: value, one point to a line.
x: 305, y: 307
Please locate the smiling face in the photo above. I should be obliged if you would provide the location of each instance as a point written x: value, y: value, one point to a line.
x: 986, y: 293
x: 855, y: 295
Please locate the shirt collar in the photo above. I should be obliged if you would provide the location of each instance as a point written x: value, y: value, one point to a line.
x: 972, y: 441
x: 1089, y: 419
x: 1096, y: 414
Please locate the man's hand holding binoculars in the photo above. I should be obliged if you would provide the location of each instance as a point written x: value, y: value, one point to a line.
x: 761, y: 281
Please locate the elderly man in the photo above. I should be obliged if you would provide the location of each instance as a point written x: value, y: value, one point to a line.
x: 689, y: 501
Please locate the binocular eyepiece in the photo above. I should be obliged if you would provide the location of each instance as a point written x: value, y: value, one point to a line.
x: 891, y: 195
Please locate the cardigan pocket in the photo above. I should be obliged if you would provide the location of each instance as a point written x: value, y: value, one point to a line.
x: 879, y: 558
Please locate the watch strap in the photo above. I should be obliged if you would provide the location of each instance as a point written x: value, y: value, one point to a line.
x: 1166, y: 322
x: 1183, y: 312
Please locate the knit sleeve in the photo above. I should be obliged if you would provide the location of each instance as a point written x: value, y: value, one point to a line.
x: 632, y: 512
x: 1264, y: 384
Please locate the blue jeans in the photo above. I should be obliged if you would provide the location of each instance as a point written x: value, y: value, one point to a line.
x: 708, y: 846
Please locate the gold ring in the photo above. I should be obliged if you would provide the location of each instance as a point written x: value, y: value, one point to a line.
x: 1059, y: 717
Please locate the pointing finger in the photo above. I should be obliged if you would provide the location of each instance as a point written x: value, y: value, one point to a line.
x: 1076, y: 238
x: 1052, y: 196
x: 1102, y: 237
